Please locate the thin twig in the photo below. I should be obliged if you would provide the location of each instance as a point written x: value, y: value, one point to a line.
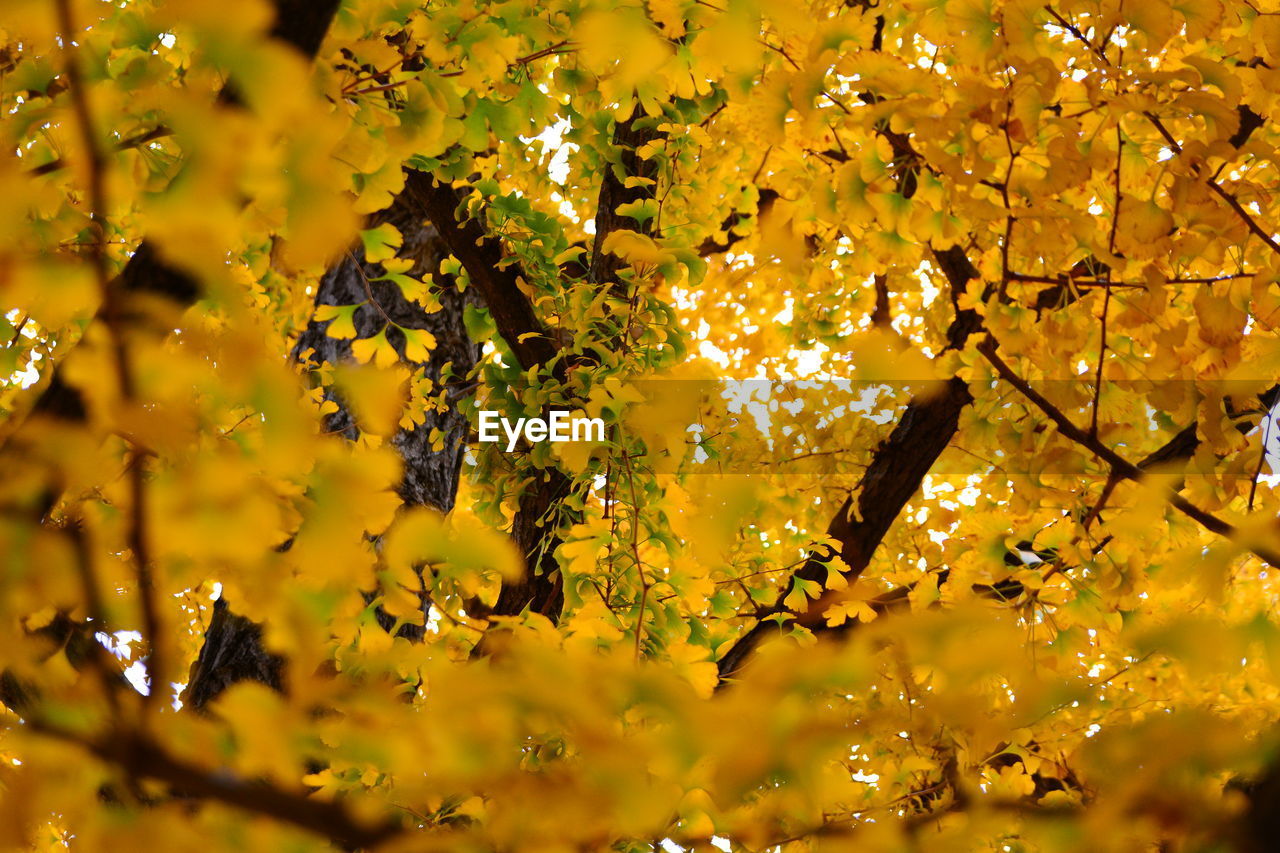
x: 111, y: 681
x: 1106, y: 299
x: 1119, y: 465
x: 17, y: 331
x: 1009, y: 219
x: 127, y: 144
x: 1228, y: 197
x: 1262, y: 457
x: 368, y: 288
x: 1210, y: 181
x: 1098, y: 282
x: 557, y: 49
x: 1094, y: 511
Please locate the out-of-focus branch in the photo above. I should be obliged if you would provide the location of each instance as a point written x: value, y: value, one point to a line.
x: 299, y: 23
x: 126, y: 144
x: 142, y: 759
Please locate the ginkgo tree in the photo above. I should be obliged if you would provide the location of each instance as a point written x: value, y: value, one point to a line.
x: 935, y: 343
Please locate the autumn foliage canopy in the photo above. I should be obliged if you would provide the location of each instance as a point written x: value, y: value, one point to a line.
x: 934, y: 342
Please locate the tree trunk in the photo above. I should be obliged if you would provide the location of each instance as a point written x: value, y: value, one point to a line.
x: 233, y: 649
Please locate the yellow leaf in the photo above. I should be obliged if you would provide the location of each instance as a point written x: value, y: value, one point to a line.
x: 341, y: 319
x: 376, y: 395
x: 418, y: 344
x: 381, y: 243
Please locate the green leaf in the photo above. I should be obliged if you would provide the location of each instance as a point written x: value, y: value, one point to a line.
x: 641, y: 210
x: 381, y: 243
x: 479, y: 323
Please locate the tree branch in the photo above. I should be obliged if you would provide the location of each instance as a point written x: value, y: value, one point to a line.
x: 126, y: 144
x: 1118, y: 464
x: 481, y: 255
x: 142, y: 759
x: 496, y: 277
x: 897, y: 468
x: 765, y: 199
x: 299, y: 23
x: 498, y: 281
x: 628, y: 137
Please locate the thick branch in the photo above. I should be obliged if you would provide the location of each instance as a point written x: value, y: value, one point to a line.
x: 498, y: 281
x: 628, y: 137
x: 897, y: 468
x: 495, y: 276
x: 1183, y: 445
x: 541, y: 590
x: 233, y: 650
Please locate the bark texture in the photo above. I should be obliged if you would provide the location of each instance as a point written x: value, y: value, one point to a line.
x: 233, y: 649
x: 430, y: 478
x: 628, y: 137
x: 492, y: 273
x: 897, y: 468
x: 232, y: 652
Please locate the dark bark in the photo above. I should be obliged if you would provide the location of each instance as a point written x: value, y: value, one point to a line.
x: 481, y: 255
x: 302, y: 24
x: 628, y: 137
x: 496, y: 278
x: 899, y: 465
x: 765, y: 199
x: 233, y: 649
x: 1258, y: 827
x: 430, y: 478
x: 542, y: 590
x: 73, y: 638
x: 232, y: 652
x: 146, y: 281
x: 930, y: 427
x: 143, y: 759
x: 897, y: 468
